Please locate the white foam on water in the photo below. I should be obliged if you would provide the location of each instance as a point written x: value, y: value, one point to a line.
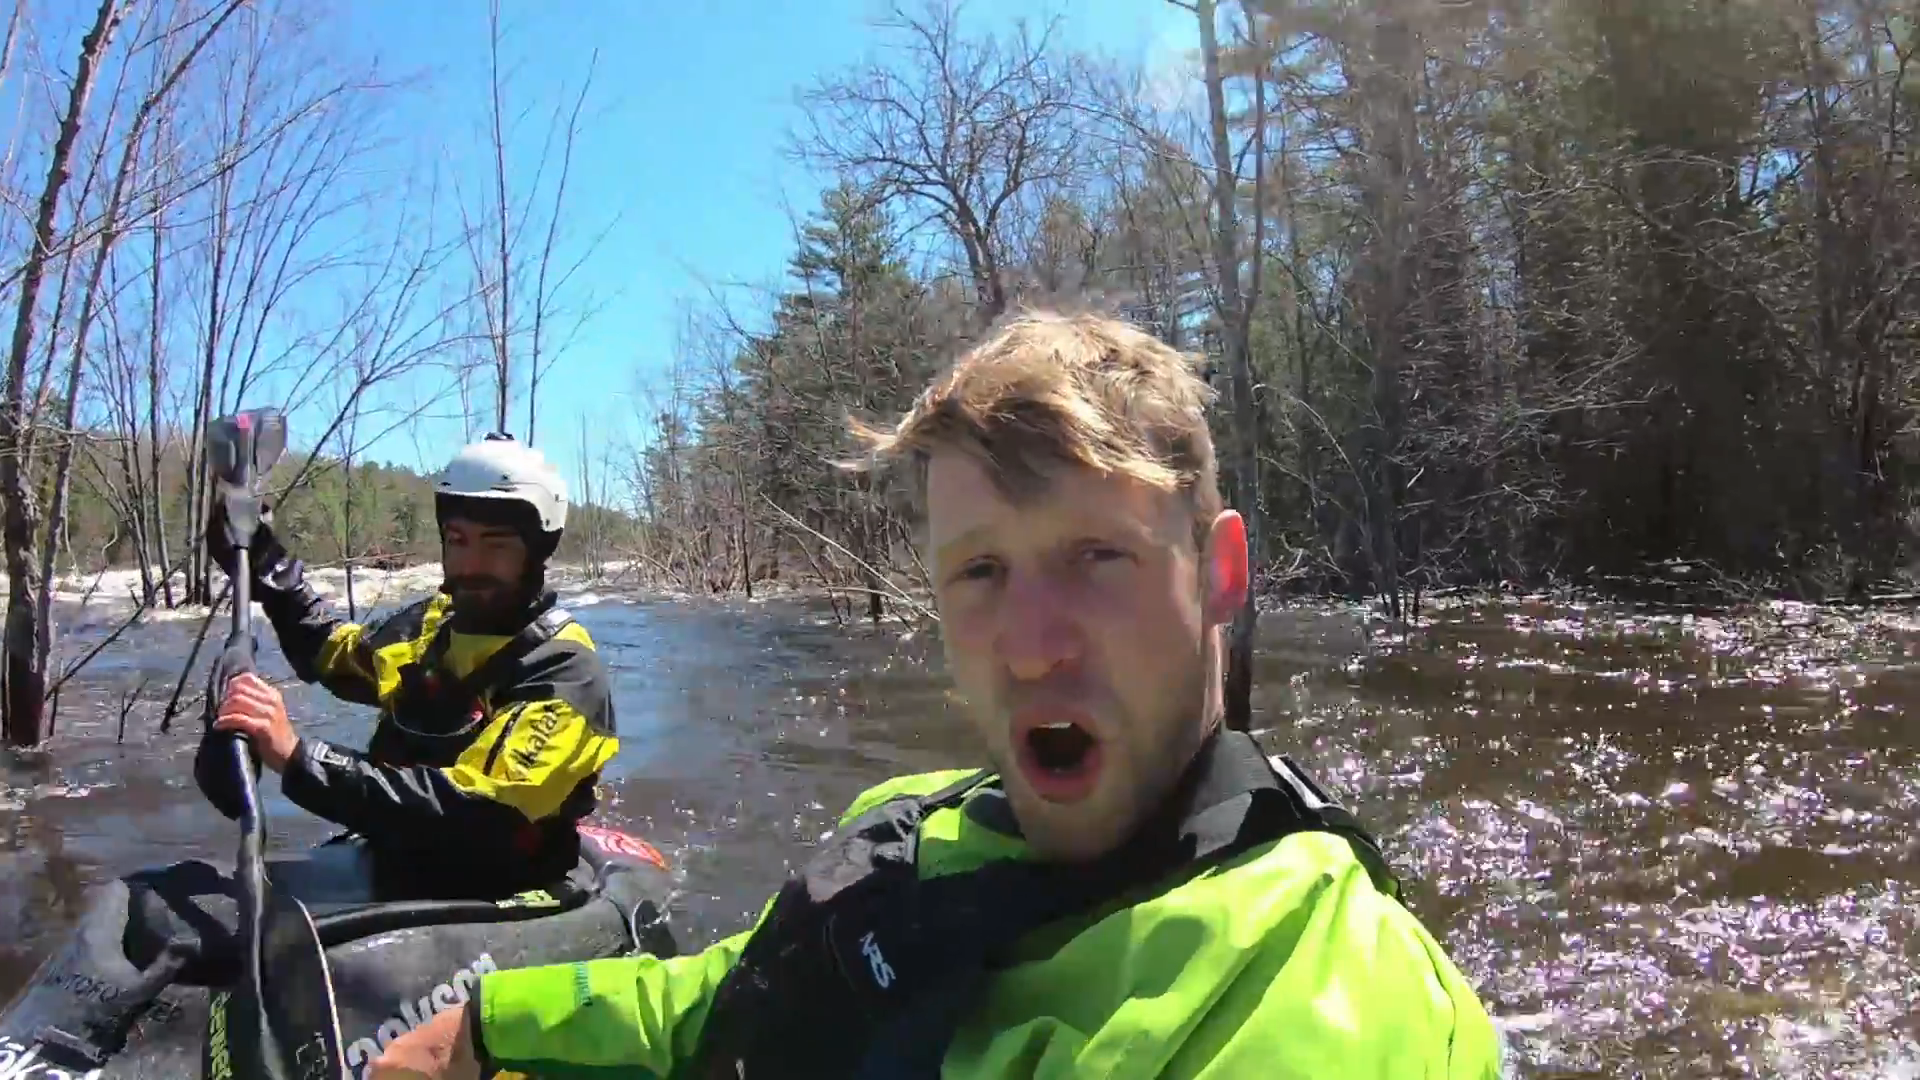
x: 114, y: 594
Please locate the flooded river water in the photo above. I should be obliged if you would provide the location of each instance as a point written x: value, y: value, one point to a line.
x: 1659, y: 844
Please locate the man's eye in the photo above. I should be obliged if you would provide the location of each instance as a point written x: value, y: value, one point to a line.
x: 977, y: 571
x: 1098, y: 553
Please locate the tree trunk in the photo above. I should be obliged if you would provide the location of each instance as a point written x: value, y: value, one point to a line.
x: 1393, y: 150
x: 347, y: 547
x: 1234, y: 309
x: 199, y: 495
x: 136, y: 516
x: 63, y: 458
x: 156, y: 487
x: 76, y: 368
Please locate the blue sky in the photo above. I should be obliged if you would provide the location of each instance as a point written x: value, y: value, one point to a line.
x: 682, y: 153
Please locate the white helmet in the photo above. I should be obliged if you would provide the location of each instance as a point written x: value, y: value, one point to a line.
x: 498, y: 467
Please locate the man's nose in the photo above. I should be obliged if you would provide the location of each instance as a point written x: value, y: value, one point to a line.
x: 1038, y: 630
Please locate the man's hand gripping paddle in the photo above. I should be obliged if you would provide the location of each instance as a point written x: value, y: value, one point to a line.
x: 280, y: 1022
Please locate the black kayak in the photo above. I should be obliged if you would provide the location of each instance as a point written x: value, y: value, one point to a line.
x: 128, y: 996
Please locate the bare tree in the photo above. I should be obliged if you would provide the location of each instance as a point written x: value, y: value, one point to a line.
x: 280, y: 142
x: 289, y: 139
x: 388, y: 333
x: 25, y: 682
x: 170, y: 67
x: 1236, y: 292
x: 975, y: 131
x: 509, y: 243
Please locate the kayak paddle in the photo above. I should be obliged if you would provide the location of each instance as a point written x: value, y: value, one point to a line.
x: 280, y: 1022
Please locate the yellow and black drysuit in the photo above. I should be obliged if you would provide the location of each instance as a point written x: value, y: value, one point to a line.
x: 487, y: 748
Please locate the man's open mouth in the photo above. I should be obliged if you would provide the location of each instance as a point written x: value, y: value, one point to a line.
x: 1059, y: 758
x: 1059, y: 748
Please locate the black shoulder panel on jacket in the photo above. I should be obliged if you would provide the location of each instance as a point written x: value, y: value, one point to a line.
x: 400, y: 626
x: 566, y: 670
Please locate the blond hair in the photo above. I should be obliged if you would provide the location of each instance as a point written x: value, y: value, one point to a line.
x: 1046, y: 389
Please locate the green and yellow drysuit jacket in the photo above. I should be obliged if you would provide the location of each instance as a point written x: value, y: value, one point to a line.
x: 486, y: 751
x: 1286, y: 960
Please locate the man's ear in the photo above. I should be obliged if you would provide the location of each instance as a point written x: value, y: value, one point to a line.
x: 1226, y: 568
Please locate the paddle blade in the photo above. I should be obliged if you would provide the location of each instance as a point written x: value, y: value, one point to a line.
x: 269, y: 439
x: 301, y: 1012
x: 290, y: 1028
x: 240, y: 450
x: 246, y: 445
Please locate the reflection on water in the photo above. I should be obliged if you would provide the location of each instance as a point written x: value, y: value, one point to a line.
x: 1660, y: 844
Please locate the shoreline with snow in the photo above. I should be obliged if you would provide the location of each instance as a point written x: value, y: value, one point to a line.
x: 115, y: 593
x: 103, y: 599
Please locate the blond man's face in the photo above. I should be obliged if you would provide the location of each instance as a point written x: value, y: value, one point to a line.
x: 1082, y: 635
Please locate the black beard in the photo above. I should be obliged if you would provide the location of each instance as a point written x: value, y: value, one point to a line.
x: 485, y: 604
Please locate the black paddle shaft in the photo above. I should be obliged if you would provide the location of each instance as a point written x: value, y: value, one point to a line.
x: 240, y: 449
x: 290, y: 1031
